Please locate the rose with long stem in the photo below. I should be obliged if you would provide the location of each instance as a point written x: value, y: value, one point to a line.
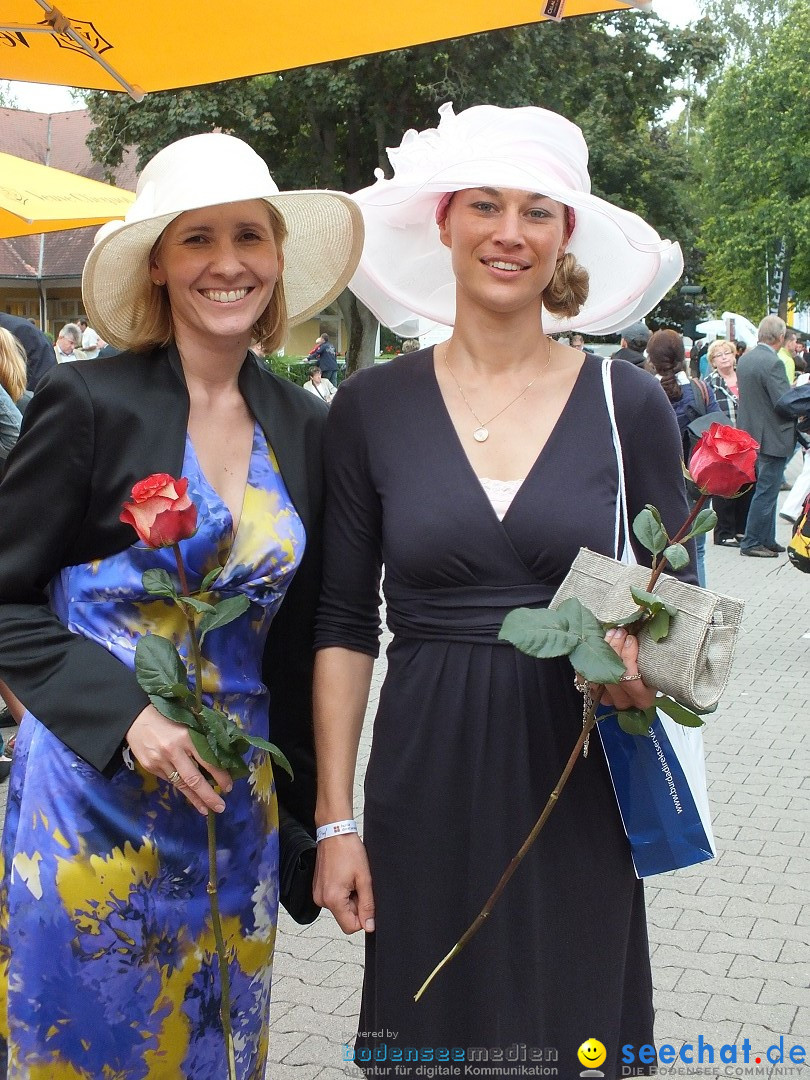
x: 722, y: 463
x: 213, y: 894
x: 163, y: 514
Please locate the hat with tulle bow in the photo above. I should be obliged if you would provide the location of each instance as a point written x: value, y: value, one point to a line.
x: 406, y: 270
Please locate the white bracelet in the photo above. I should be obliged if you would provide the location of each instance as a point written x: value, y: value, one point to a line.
x: 336, y: 828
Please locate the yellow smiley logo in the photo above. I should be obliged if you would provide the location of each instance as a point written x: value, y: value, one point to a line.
x: 592, y: 1053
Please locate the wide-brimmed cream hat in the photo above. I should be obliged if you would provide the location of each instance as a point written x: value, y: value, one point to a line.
x: 406, y: 270
x: 323, y: 245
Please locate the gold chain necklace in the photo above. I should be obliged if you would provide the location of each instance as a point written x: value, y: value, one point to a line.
x: 481, y: 433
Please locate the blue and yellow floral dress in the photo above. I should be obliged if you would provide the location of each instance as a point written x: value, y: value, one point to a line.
x: 107, y: 957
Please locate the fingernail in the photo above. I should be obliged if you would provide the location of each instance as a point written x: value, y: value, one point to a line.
x: 610, y: 635
x: 228, y: 788
x: 219, y: 807
x: 369, y: 926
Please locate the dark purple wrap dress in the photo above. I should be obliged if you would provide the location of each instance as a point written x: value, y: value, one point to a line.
x: 471, y: 735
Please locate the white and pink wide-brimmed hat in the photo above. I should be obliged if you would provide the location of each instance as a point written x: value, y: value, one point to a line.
x: 406, y: 270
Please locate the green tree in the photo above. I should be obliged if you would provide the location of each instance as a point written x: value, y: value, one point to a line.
x: 613, y: 74
x: 756, y: 189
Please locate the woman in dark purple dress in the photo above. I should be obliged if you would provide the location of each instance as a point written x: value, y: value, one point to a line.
x: 473, y: 472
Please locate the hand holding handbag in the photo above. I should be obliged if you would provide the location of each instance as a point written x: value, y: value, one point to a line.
x: 693, y: 662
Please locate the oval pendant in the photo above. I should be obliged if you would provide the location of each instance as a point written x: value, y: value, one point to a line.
x: 481, y: 434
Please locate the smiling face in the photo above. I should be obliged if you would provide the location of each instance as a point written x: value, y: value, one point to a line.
x: 220, y: 266
x: 505, y: 245
x: 592, y: 1053
x: 724, y: 358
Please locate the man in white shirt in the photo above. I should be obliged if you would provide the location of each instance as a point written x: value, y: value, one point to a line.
x: 91, y: 342
x: 69, y: 339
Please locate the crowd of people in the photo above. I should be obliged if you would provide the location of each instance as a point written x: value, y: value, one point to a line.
x: 459, y: 471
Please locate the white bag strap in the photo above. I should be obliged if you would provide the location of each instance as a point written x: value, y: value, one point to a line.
x: 622, y: 524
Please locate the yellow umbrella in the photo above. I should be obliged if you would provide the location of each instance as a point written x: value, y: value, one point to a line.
x: 35, y: 199
x: 161, y: 44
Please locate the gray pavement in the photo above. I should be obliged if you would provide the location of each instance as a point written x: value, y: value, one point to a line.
x: 729, y: 939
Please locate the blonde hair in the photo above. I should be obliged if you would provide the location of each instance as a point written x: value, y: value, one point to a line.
x: 13, y: 365
x: 568, y: 289
x: 156, y: 326
x: 714, y: 347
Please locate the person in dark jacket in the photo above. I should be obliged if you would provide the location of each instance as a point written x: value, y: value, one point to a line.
x: 633, y: 343
x: 38, y: 350
x: 109, y: 933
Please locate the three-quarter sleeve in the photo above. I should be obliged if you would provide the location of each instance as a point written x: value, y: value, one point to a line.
x: 74, y: 686
x: 349, y: 614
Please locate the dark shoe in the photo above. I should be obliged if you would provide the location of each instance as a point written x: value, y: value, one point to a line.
x: 775, y: 547
x: 5, y: 766
x: 787, y: 517
x: 759, y: 553
x: 727, y: 541
x: 6, y: 719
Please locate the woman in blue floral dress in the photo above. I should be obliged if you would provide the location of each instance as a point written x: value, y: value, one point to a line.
x: 108, y: 965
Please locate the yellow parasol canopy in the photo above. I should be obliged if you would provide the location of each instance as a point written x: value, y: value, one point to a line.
x: 162, y: 44
x: 35, y: 198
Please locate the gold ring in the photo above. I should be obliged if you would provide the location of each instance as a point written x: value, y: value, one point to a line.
x: 629, y: 678
x: 174, y: 778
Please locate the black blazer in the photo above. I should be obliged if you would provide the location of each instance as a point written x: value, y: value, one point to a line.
x: 92, y: 430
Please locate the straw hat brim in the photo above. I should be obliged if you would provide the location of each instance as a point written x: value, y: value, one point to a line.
x: 321, y: 253
x: 405, y: 269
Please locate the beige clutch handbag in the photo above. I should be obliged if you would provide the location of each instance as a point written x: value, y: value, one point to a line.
x: 693, y: 662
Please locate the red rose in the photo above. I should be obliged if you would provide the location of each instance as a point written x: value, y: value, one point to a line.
x: 724, y: 461
x: 162, y: 513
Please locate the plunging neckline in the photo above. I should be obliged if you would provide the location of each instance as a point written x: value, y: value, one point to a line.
x: 234, y: 530
x: 466, y: 458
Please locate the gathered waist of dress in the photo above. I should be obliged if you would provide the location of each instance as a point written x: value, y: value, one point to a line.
x: 464, y: 613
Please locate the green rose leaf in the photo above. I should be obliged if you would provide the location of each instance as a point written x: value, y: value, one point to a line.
x: 274, y: 752
x: 679, y: 713
x: 636, y: 721
x: 196, y: 605
x: 538, y: 632
x: 650, y: 532
x: 651, y: 602
x: 677, y: 556
x: 158, y: 667
x: 210, y: 578
x: 224, y: 612
x: 173, y: 710
x: 703, y: 523
x: 654, y: 511
x: 596, y: 661
x: 658, y: 625
x: 214, y: 755
x: 181, y: 691
x: 572, y: 630
x: 219, y: 726
x: 158, y: 583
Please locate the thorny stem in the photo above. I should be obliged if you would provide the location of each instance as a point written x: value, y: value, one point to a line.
x: 658, y: 566
x: 480, y: 919
x: 213, y: 895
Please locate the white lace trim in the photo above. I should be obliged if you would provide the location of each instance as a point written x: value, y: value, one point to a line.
x: 500, y: 493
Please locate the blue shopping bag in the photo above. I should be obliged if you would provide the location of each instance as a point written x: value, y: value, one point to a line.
x: 660, y: 785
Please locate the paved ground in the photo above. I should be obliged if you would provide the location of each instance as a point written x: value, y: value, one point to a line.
x: 729, y: 939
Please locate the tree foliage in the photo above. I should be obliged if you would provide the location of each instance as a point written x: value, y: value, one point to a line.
x: 745, y: 24
x: 329, y: 125
x: 756, y: 189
